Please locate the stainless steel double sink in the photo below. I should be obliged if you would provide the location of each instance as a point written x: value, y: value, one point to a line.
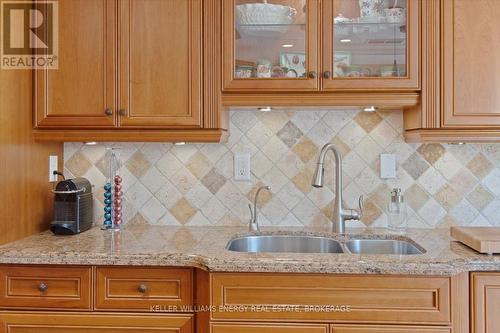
x: 321, y: 244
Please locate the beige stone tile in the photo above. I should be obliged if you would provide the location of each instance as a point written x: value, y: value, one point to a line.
x: 480, y: 197
x: 213, y: 181
x: 138, y: 164
x: 480, y: 166
x: 343, y: 148
x: 447, y: 197
x: 415, y: 166
x: 290, y: 134
x: 368, y: 120
x: 416, y: 197
x: 464, y: 181
x: 264, y: 196
x: 183, y: 211
x: 199, y: 165
x: 78, y: 164
x: 431, y: 152
x: 138, y: 219
x: 446, y: 222
x: 303, y: 180
x: 229, y: 219
x: 370, y: 213
x: 305, y: 149
x: 381, y: 196
x: 321, y: 221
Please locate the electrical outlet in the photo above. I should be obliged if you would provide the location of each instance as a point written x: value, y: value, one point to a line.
x: 52, y: 167
x: 242, y: 167
x: 387, y: 166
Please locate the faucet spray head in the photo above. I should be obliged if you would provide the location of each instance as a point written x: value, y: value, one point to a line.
x: 319, y: 176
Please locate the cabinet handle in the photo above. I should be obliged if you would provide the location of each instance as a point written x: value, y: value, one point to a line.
x: 122, y: 112
x: 311, y: 74
x: 42, y: 287
x: 142, y: 288
x: 108, y: 112
x: 327, y: 74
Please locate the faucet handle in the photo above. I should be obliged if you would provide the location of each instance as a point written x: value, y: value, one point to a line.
x: 361, y: 205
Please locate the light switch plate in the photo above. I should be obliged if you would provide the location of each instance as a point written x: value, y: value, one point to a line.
x: 52, y: 167
x: 242, y: 167
x: 387, y: 166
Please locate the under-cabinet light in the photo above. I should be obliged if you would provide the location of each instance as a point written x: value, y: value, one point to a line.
x: 90, y: 143
x: 179, y: 143
x: 265, y: 109
x: 345, y: 40
x: 370, y: 109
x: 287, y: 45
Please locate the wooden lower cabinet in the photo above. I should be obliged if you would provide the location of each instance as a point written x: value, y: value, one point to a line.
x: 268, y: 328
x: 50, y: 322
x: 387, y: 329
x: 485, y: 306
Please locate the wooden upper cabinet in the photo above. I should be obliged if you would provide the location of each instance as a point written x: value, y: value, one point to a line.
x: 78, y: 93
x: 160, y: 63
x: 485, y: 302
x: 471, y: 71
x: 271, y: 46
x: 371, y: 47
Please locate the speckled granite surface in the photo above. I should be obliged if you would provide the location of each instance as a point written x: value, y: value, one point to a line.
x: 204, y: 247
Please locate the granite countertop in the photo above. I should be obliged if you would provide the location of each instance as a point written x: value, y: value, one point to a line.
x: 204, y: 247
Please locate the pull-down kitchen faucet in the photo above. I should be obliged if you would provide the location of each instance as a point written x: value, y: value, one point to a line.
x: 340, y: 214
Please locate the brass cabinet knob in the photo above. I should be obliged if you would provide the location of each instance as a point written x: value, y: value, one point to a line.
x: 311, y: 74
x: 108, y: 112
x: 42, y: 287
x: 122, y: 112
x: 142, y: 288
x: 327, y: 74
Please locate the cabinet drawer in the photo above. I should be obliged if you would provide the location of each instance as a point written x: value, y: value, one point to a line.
x: 93, y: 323
x: 267, y: 328
x: 387, y: 329
x: 45, y: 287
x: 304, y: 297
x: 144, y: 289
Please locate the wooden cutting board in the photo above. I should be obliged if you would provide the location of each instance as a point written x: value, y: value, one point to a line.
x: 481, y: 239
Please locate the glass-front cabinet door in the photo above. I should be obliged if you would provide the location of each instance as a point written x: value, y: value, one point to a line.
x: 271, y: 45
x: 370, y: 44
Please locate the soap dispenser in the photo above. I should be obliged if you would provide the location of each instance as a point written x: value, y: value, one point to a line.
x: 396, y: 212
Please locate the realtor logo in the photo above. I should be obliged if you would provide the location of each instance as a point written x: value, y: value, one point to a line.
x: 29, y: 34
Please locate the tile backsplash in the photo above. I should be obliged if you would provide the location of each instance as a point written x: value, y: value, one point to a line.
x: 193, y: 184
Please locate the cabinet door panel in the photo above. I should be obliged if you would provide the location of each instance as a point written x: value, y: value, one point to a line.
x: 373, y: 47
x: 77, y: 94
x: 485, y: 302
x: 268, y: 328
x: 387, y: 329
x: 12, y: 322
x: 471, y: 72
x: 160, y: 63
x: 272, y: 46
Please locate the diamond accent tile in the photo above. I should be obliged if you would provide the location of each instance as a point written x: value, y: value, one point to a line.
x: 199, y: 165
x: 431, y: 152
x: 183, y: 211
x: 78, y: 164
x: 213, y: 181
x: 368, y: 120
x: 480, y: 166
x: 480, y: 197
x: 416, y: 197
x: 415, y: 166
x: 305, y: 149
x: 290, y: 134
x: 138, y: 164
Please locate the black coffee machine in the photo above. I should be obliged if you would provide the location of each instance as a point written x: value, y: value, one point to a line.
x: 73, y: 207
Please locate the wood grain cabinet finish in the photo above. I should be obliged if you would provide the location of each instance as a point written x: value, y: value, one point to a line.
x: 78, y: 93
x: 267, y: 328
x: 141, y: 289
x: 51, y: 322
x: 387, y: 299
x: 470, y: 87
x: 160, y: 63
x: 387, y: 329
x: 31, y: 287
x: 485, y: 306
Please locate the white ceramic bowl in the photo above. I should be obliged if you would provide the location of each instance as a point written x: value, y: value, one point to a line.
x: 263, y: 19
